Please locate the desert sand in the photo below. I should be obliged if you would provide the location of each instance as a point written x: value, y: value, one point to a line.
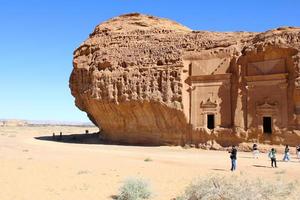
x: 31, y: 168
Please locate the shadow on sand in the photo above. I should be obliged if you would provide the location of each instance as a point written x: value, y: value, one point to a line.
x: 262, y: 166
x: 92, y: 138
x: 115, y: 197
x: 83, y: 138
x: 218, y: 169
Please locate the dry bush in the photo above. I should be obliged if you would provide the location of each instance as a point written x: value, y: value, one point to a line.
x: 235, y: 187
x: 135, y: 189
x: 148, y: 160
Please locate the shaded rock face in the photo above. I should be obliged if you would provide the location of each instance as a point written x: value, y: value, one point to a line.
x: 151, y: 81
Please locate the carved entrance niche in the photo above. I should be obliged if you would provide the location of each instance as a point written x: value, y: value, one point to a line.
x: 267, y: 115
x: 211, y: 95
x: 209, y: 113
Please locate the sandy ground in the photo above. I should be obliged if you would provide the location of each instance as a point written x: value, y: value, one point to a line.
x: 32, y: 169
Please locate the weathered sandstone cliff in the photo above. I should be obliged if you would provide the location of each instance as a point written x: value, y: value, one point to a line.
x: 134, y: 78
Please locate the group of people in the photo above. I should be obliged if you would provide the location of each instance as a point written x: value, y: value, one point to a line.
x: 271, y: 155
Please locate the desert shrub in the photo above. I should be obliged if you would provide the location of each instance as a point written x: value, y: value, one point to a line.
x: 238, y: 188
x: 135, y: 189
x: 148, y: 160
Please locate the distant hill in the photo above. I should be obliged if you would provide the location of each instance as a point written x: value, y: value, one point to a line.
x: 13, y: 122
x: 18, y: 122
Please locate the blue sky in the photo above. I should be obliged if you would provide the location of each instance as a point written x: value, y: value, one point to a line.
x: 37, y: 39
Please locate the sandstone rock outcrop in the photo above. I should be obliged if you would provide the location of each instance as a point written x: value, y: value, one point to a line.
x: 148, y: 80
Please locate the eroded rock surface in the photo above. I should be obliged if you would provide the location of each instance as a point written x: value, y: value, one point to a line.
x: 148, y: 80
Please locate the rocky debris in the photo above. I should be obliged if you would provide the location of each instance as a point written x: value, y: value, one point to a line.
x: 129, y: 78
x: 210, y: 145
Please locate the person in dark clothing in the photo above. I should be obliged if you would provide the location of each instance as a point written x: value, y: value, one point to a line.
x: 272, y: 155
x: 233, y: 157
x: 255, y: 151
x: 298, y: 151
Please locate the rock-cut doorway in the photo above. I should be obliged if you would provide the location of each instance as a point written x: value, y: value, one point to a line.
x: 210, y: 121
x: 267, y: 125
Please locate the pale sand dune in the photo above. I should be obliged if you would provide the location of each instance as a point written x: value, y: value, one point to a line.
x: 46, y: 170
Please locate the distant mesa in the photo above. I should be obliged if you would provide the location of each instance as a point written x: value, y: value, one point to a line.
x: 17, y: 122
x: 149, y: 80
x: 13, y: 122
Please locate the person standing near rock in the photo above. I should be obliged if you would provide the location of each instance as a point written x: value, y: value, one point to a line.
x: 255, y: 151
x: 233, y: 157
x: 298, y: 151
x: 272, y: 156
x: 286, y: 156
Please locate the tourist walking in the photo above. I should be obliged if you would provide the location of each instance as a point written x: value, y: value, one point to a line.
x: 272, y: 156
x: 286, y: 156
x: 233, y: 156
x: 298, y: 151
x: 255, y: 151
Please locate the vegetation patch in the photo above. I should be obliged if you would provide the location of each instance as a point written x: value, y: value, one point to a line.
x: 216, y: 187
x: 148, y: 160
x: 135, y: 189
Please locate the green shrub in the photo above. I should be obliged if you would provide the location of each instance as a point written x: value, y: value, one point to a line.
x: 238, y: 188
x: 135, y: 189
